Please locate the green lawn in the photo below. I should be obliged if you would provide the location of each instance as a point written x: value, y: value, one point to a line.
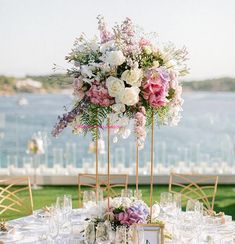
x: 225, y: 198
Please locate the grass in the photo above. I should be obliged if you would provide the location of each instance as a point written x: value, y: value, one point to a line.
x: 225, y: 198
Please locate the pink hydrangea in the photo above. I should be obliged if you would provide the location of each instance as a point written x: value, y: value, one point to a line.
x: 78, y: 89
x: 156, y: 86
x: 98, y: 94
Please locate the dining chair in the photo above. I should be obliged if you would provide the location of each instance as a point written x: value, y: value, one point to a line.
x: 195, y: 187
x: 117, y: 181
x: 15, y: 196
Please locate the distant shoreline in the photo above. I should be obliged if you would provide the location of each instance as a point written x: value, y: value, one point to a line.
x: 61, y: 83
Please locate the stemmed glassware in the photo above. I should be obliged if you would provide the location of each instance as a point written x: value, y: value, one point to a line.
x: 127, y: 193
x: 170, y: 203
x: 89, y: 199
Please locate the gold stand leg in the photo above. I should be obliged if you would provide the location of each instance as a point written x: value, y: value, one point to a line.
x: 151, y: 168
x: 137, y: 169
x: 97, y: 164
x: 108, y: 159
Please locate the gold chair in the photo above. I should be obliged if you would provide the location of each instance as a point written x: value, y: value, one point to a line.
x: 89, y: 180
x: 195, y: 187
x: 15, y: 196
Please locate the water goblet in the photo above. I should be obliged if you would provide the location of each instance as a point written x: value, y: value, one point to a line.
x: 53, y: 227
x: 68, y: 205
x: 89, y: 199
x: 191, y: 206
x: 127, y: 193
x: 166, y: 199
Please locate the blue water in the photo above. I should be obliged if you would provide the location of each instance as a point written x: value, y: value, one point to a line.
x: 205, y: 133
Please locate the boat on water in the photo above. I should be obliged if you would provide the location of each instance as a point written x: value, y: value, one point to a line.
x: 23, y: 101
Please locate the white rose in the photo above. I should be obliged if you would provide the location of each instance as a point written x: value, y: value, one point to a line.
x: 130, y: 96
x: 115, y: 86
x: 132, y: 77
x: 115, y: 58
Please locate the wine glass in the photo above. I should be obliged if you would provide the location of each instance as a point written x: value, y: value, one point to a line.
x: 89, y: 199
x: 127, y: 193
x: 166, y: 200
x: 68, y: 206
x: 60, y: 203
x: 177, y: 202
x: 53, y: 227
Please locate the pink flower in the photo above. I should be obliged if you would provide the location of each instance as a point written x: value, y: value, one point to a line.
x: 156, y: 87
x: 143, y: 42
x: 98, y: 94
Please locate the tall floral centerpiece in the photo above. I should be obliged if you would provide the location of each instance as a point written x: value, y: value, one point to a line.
x: 123, y: 74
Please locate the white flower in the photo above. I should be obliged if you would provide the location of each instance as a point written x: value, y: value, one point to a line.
x: 156, y: 64
x: 130, y: 96
x: 119, y: 108
x: 86, y: 71
x: 107, y: 46
x: 115, y: 58
x: 148, y: 50
x: 133, y: 77
x: 115, y: 86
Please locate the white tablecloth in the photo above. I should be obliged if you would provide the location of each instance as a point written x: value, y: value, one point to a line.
x: 34, y: 230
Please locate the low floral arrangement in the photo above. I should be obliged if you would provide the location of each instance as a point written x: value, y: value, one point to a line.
x: 125, y: 74
x: 122, y: 212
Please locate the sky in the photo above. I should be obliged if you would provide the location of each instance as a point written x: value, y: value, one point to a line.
x: 34, y: 34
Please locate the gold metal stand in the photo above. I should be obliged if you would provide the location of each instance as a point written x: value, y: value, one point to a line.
x: 97, y: 164
x: 151, y: 168
x: 137, y: 170
x: 108, y: 160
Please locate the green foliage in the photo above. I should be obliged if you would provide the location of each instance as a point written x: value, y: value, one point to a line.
x: 94, y: 117
x: 146, y: 60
